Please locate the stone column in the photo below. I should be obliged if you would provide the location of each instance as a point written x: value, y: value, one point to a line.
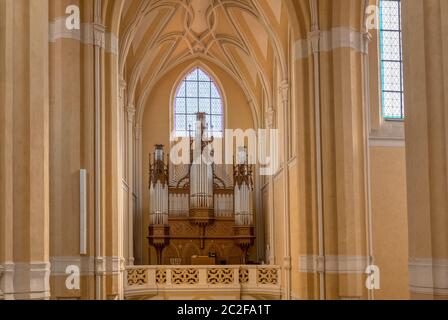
x: 6, y: 150
x: 139, y: 237
x: 425, y: 54
x: 270, y: 120
x: 130, y: 154
x: 284, y: 96
x: 24, y: 137
x: 72, y: 136
x: 345, y: 255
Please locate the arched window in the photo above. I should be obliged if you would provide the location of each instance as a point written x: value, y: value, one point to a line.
x: 391, y: 59
x: 197, y: 93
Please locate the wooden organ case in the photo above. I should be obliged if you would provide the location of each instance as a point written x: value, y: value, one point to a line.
x: 200, y: 213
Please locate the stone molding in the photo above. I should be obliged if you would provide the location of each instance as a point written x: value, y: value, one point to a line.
x: 428, y: 276
x: 25, y: 280
x: 105, y: 265
x: 336, y: 38
x: 86, y: 35
x: 333, y: 264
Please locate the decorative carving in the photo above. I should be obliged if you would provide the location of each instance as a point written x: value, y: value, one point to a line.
x: 100, y: 265
x: 244, y: 238
x: 182, y: 227
x: 220, y: 276
x: 366, y: 40
x: 122, y: 92
x: 185, y: 276
x: 161, y: 276
x: 242, y: 170
x: 244, y: 275
x: 137, y: 277
x: 99, y: 32
x: 122, y: 264
x: 267, y: 276
x: 159, y: 239
x: 158, y: 170
x: 200, y: 22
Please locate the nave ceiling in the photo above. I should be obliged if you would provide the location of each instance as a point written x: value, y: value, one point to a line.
x: 247, y: 38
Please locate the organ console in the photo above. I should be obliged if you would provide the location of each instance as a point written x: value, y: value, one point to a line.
x: 204, y: 210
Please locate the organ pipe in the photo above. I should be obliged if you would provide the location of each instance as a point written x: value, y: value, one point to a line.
x: 201, y: 173
x: 243, y: 189
x: 158, y: 188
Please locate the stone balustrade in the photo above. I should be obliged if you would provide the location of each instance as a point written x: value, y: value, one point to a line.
x: 232, y: 281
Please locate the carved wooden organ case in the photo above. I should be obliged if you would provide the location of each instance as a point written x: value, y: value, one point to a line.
x: 200, y: 209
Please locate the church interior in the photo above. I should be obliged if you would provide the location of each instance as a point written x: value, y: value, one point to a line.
x: 223, y: 149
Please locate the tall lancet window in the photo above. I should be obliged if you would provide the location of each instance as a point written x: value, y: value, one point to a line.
x: 391, y: 59
x: 198, y: 93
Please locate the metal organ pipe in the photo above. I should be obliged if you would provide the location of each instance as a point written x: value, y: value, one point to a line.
x: 243, y: 193
x: 158, y: 189
x: 201, y: 173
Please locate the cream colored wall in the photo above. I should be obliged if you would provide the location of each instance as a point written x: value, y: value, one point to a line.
x: 156, y: 117
x: 389, y: 214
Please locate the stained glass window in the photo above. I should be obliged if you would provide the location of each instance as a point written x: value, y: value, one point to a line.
x: 198, y: 93
x: 391, y: 59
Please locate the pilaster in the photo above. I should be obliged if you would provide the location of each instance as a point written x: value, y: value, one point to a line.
x: 425, y: 53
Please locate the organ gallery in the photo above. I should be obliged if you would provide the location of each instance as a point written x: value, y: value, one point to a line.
x: 204, y: 216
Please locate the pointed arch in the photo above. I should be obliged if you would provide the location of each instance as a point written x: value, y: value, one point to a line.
x: 197, y: 91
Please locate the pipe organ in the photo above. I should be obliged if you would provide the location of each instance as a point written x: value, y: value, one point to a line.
x: 158, y: 189
x: 201, y: 209
x: 158, y: 204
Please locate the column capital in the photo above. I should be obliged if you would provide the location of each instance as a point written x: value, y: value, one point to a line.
x: 314, y: 38
x: 123, y: 84
x: 284, y: 90
x: 100, y: 265
x: 131, y: 113
x: 270, y: 117
x: 138, y: 132
x: 122, y: 89
x: 99, y: 32
x: 287, y: 262
x: 122, y: 264
x: 366, y: 39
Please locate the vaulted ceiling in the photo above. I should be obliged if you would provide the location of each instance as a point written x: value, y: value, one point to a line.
x: 247, y: 38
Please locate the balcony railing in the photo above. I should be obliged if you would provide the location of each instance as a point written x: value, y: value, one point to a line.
x: 236, y: 281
